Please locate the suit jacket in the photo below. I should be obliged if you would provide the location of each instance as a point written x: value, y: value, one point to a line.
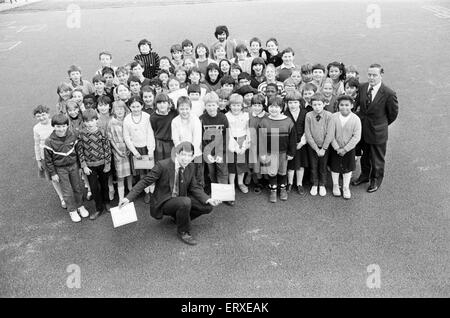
x: 378, y: 115
x: 163, y: 176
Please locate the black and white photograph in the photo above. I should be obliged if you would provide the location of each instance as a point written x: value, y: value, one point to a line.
x: 225, y: 154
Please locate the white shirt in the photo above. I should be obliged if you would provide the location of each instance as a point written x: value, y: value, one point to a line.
x: 344, y: 119
x: 138, y: 134
x: 188, y: 130
x: 41, y: 132
x: 375, y: 90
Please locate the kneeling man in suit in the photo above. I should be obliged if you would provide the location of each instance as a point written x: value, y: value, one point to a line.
x: 177, y: 193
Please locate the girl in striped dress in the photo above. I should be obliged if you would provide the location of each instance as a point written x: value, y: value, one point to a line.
x: 119, y: 149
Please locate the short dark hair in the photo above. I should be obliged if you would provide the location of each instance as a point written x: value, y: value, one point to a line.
x: 194, y: 88
x: 107, y: 70
x: 60, y: 119
x: 104, y: 99
x: 227, y: 79
x: 144, y: 41
x: 318, y: 66
x: 40, y: 109
x: 276, y: 100
x: 221, y: 29
x: 378, y: 66
x: 161, y: 98
x: 185, y: 146
x: 244, y: 75
x: 344, y: 97
x: 73, y: 68
x: 272, y: 85
x: 90, y: 114
x: 133, y: 78
x: 318, y: 97
x: 295, y: 95
x: 147, y: 89
x: 288, y: 50
x: 155, y: 82
x: 272, y: 40
x: 309, y: 87
x: 187, y: 43
x: 184, y: 100
x: 98, y: 78
x: 104, y: 53
x: 352, y: 82
x: 136, y: 63
x: 259, y: 99
x: 241, y: 48
x: 135, y: 98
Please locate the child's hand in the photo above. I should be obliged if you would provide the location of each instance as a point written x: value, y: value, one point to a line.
x: 290, y: 158
x: 138, y: 156
x: 318, y: 152
x: 40, y: 166
x: 55, y: 178
x: 107, y: 168
x: 87, y: 171
x: 300, y: 145
x: 341, y: 152
x: 219, y: 159
x: 211, y: 159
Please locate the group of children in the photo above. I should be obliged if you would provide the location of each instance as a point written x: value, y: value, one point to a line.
x: 254, y: 118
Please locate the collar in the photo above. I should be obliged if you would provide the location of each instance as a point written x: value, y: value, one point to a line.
x: 260, y: 115
x: 376, y: 87
x: 282, y: 66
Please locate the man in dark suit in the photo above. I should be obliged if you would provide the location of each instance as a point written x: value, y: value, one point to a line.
x: 378, y: 108
x: 177, y: 193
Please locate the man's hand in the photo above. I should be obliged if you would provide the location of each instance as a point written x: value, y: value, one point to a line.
x: 213, y: 202
x: 123, y: 202
x: 290, y: 158
x: 40, y: 166
x: 55, y: 178
x: 87, y: 171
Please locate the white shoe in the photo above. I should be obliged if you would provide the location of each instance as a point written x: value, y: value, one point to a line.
x: 75, y: 216
x: 347, y: 195
x: 313, y: 191
x: 336, y: 190
x: 83, y: 212
x: 322, y: 191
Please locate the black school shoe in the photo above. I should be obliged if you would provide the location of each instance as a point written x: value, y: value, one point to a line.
x: 301, y: 190
x: 257, y: 189
x: 187, y: 238
x: 95, y: 215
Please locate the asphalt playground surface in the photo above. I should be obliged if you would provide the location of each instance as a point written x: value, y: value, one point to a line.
x: 305, y: 247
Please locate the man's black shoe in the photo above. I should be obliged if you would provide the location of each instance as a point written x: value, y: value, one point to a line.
x: 187, y: 238
x: 95, y: 215
x: 359, y: 181
x: 373, y: 186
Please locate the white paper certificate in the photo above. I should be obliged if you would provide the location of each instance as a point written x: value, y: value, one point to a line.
x: 123, y: 216
x: 222, y: 192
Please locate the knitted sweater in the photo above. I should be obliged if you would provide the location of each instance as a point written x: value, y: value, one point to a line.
x: 346, y: 136
x: 93, y: 149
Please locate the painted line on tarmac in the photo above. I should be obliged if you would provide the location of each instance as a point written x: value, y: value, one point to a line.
x: 7, y: 24
x: 32, y: 28
x: 8, y: 46
x: 439, y: 11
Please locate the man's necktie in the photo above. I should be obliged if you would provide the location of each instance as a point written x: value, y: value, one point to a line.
x: 181, y: 184
x: 369, y: 95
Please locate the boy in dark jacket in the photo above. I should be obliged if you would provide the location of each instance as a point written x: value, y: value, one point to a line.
x: 61, y: 163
